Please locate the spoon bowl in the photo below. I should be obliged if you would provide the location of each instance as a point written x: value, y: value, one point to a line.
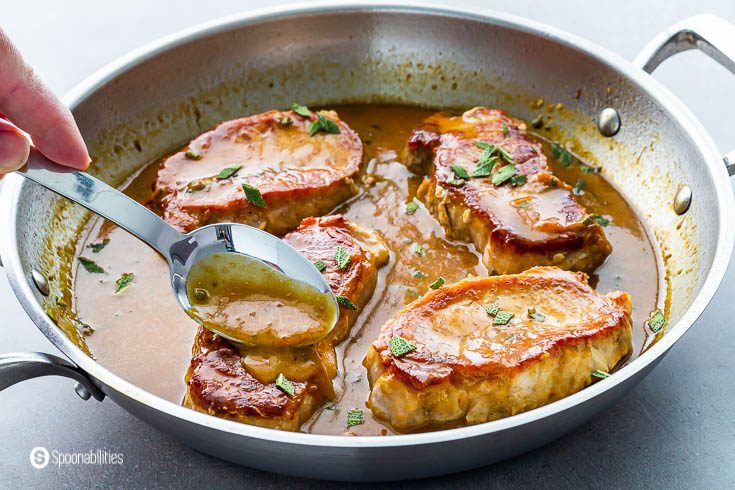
x: 244, y: 244
x: 183, y: 251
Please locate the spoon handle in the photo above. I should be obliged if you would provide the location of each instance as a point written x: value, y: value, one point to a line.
x: 103, y: 200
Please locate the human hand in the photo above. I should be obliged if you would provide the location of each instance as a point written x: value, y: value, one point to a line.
x: 27, y: 104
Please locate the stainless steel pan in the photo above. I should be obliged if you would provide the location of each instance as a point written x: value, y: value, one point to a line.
x: 160, y: 96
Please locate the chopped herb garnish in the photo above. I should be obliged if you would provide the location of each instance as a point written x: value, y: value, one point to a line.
x: 437, y: 284
x: 506, y: 156
x: 342, y: 257
x: 354, y: 417
x: 601, y: 220
x: 417, y: 249
x: 345, y: 302
x: 502, y: 318
x: 586, y: 169
x: 328, y: 125
x: 400, y: 346
x: 490, y: 149
x: 656, y: 321
x: 419, y: 275
x: 192, y: 154
x: 323, y: 124
x: 314, y: 127
x: 484, y: 166
x: 485, y: 146
x: 566, y: 158
x: 493, y: 309
x: 504, y: 174
x: 228, y: 172
x: 411, y: 207
x: 91, y: 266
x: 320, y: 265
x: 124, y: 282
x: 600, y: 374
x: 505, y: 129
x: 486, y: 161
x: 96, y: 247
x: 460, y: 172
x: 534, y: 315
x: 253, y: 195
x: 518, y: 179
x: 578, y: 188
x: 285, y: 385
x: 510, y: 336
x: 456, y: 182
x: 561, y: 154
x: 301, y: 110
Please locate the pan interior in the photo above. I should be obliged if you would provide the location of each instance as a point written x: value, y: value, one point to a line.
x: 392, y: 57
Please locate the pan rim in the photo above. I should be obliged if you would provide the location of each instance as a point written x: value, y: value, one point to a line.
x: 676, y: 109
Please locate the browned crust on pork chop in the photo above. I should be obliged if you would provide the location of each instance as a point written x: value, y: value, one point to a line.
x: 240, y: 384
x: 514, y: 226
x: 297, y: 174
x: 466, y: 369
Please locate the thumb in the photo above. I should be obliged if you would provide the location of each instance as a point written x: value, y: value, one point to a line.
x: 14, y: 148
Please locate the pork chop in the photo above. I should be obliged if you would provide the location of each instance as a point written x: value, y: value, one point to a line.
x: 489, y: 184
x: 270, y: 170
x: 489, y: 347
x: 241, y: 383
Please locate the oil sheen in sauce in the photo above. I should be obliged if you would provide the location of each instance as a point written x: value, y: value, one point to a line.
x: 143, y: 329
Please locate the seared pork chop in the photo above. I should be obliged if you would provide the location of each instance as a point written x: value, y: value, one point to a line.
x: 489, y: 347
x: 240, y: 383
x: 290, y: 170
x: 490, y: 185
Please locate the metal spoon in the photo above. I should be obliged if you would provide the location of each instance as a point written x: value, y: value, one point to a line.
x: 181, y: 251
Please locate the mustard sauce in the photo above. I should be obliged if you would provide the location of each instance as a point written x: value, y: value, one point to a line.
x: 247, y: 301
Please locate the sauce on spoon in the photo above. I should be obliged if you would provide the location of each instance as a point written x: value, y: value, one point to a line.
x: 247, y: 301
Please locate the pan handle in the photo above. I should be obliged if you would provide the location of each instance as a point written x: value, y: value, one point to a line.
x: 708, y: 33
x: 20, y: 366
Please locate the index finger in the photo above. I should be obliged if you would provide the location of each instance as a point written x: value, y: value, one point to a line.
x: 33, y: 108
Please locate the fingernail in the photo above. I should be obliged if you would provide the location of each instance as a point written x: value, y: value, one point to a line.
x: 14, y: 149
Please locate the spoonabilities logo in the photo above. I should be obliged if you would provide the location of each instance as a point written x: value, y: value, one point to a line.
x: 39, y: 457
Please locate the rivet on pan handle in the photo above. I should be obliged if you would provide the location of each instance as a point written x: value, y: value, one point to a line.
x: 709, y: 34
x: 20, y: 366
x: 730, y: 162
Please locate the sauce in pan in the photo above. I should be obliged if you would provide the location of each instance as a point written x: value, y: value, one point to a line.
x: 143, y: 335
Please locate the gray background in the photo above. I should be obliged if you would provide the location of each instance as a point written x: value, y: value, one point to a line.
x: 675, y: 430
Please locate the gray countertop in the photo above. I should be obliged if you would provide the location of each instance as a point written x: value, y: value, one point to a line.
x: 675, y: 430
